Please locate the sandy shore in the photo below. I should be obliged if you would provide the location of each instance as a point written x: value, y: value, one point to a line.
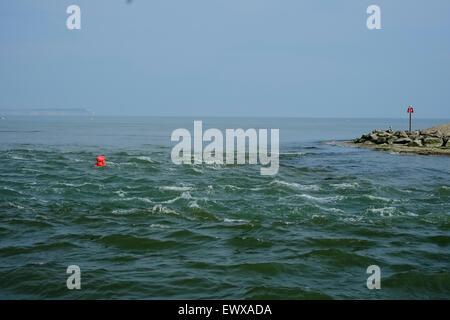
x: 401, y: 148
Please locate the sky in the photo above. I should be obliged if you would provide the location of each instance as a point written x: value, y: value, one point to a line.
x: 250, y: 58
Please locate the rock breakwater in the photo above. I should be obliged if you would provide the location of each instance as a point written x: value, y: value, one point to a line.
x: 435, y: 140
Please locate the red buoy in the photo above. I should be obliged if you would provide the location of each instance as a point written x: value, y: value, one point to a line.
x: 100, y: 161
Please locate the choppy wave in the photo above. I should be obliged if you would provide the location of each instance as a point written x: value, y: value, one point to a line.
x: 184, y: 195
x: 294, y: 185
x: 176, y: 188
x: 378, y: 198
x: 145, y: 159
x: 320, y: 199
x: 345, y: 185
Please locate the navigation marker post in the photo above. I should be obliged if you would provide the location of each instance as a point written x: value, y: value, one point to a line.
x: 410, y: 111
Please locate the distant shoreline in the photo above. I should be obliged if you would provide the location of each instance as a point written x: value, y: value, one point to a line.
x: 185, y: 116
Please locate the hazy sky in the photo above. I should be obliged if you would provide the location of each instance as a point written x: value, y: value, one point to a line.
x: 299, y: 58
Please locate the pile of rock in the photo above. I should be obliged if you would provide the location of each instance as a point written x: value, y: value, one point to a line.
x: 418, y: 138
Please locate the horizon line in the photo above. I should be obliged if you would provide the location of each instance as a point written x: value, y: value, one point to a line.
x: 219, y: 116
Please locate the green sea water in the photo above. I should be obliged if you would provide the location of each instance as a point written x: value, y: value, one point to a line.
x: 145, y: 228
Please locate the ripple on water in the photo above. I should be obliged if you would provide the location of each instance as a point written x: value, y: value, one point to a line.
x: 249, y: 242
x: 274, y: 293
x: 294, y: 185
x: 417, y: 284
x: 131, y: 242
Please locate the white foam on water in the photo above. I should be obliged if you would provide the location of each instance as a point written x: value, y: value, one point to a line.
x: 384, y: 212
x: 257, y: 188
x: 137, y: 199
x: 30, y: 170
x: 352, y: 219
x: 71, y: 184
x: 410, y: 214
x: 381, y: 198
x: 184, y: 195
x: 197, y: 170
x: 318, y: 216
x: 13, y: 205
x: 161, y: 209
x: 120, y: 193
x: 194, y: 205
x: 287, y: 222
x: 391, y: 212
x: 124, y: 211
x: 145, y: 158
x: 9, y: 189
x: 320, y: 199
x: 79, y: 185
x: 176, y: 188
x: 296, y: 186
x: 230, y: 186
x: 214, y: 166
x: 345, y: 185
x: 117, y: 164
x: 334, y: 210
x: 234, y: 220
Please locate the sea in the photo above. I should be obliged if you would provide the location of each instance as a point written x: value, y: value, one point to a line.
x: 143, y: 227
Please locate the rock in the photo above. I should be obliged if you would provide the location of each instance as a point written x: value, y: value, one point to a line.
x: 381, y: 140
x: 363, y: 138
x: 403, y: 141
x: 433, y: 133
x: 446, y: 142
x: 444, y: 129
x: 368, y: 142
x: 383, y: 134
x: 373, y: 137
x: 402, y: 134
x: 433, y: 141
x: 415, y: 143
x: 391, y: 139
